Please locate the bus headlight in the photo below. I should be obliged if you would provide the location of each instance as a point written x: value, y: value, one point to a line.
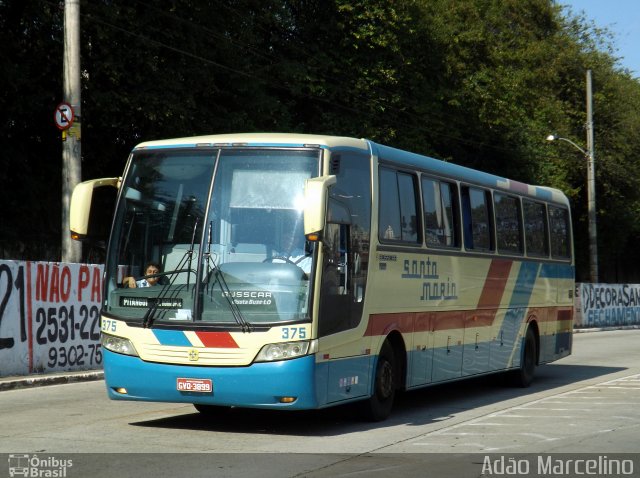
x: 286, y: 350
x: 118, y: 345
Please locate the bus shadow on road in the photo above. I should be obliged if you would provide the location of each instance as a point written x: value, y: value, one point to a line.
x: 441, y: 402
x: 435, y: 404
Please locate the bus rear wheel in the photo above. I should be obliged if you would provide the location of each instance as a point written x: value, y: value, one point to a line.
x: 378, y: 406
x: 523, y: 377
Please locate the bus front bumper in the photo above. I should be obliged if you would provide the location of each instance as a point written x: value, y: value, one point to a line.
x: 260, y: 385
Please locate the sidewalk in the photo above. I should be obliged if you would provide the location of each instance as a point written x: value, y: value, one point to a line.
x: 36, y: 380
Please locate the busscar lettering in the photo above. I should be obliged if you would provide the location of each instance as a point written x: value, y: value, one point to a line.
x: 248, y: 294
x: 250, y: 297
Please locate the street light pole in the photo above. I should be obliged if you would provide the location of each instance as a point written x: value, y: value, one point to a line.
x: 591, y: 184
x: 71, y: 251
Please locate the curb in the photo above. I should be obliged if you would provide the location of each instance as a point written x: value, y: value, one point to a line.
x: 579, y: 330
x: 13, y: 383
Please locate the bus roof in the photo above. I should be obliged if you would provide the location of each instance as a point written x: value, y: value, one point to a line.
x: 472, y: 176
x: 260, y: 139
x: 397, y: 156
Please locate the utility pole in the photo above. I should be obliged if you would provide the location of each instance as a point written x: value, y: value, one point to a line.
x: 591, y: 187
x: 71, y: 153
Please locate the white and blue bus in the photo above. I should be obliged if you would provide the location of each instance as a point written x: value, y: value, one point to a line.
x: 299, y: 271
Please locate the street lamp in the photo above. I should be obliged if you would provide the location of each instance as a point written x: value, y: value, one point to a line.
x: 553, y: 137
x: 591, y: 194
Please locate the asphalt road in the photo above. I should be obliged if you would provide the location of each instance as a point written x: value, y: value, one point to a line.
x: 585, y: 403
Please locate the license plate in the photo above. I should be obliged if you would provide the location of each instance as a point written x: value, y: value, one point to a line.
x: 196, y: 385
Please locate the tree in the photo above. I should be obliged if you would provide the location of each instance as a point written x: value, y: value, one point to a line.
x: 477, y: 82
x: 30, y: 89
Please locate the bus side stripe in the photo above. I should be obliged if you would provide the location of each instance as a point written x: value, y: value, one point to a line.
x: 524, y: 284
x: 557, y: 271
x: 494, y: 285
x: 382, y: 324
x: 487, y: 308
x: 521, y: 296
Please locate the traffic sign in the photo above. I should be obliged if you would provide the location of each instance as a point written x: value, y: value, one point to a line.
x: 64, y: 116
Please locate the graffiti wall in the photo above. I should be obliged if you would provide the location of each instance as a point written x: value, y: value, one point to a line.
x: 49, y: 317
x: 607, y: 305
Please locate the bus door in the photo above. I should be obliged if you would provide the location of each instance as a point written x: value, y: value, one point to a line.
x: 340, y: 314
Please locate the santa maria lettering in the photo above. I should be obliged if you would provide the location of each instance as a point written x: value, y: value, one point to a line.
x: 434, y: 287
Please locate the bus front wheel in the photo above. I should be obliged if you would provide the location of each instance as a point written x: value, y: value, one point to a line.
x: 379, y: 405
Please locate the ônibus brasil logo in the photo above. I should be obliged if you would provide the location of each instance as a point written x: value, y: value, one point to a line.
x: 35, y: 466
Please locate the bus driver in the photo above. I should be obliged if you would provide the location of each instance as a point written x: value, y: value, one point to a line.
x: 151, y: 269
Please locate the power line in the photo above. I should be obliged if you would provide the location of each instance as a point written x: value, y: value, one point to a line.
x: 443, y: 123
x: 172, y: 48
x: 328, y: 79
x: 205, y: 29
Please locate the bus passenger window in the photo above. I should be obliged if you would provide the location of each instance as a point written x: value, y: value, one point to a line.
x: 476, y: 219
x: 535, y: 228
x: 398, y: 217
x: 559, y: 231
x: 440, y: 214
x: 508, y: 224
x: 388, y: 219
x: 408, y: 214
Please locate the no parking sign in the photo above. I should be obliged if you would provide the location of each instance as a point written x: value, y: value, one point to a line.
x: 64, y: 116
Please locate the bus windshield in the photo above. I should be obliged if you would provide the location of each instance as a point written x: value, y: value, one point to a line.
x: 213, y: 236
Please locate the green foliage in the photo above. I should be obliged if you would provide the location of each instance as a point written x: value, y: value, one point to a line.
x: 30, y: 155
x: 477, y: 82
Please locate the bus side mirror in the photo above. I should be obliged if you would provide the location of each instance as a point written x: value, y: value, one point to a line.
x: 91, y: 210
x: 316, y: 192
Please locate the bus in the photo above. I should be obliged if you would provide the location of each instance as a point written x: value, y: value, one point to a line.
x: 305, y: 271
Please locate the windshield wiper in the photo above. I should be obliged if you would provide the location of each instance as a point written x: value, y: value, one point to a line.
x: 233, y: 307
x: 226, y: 292
x: 186, y: 260
x: 149, y: 315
